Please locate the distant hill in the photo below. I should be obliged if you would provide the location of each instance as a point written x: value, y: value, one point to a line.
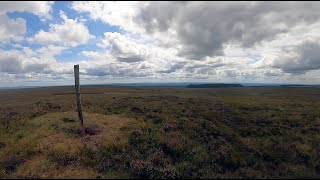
x: 299, y: 85
x: 213, y: 85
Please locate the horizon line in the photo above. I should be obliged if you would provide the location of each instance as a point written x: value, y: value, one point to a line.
x: 163, y: 84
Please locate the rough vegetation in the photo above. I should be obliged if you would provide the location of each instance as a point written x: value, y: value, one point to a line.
x: 161, y: 132
x: 213, y: 85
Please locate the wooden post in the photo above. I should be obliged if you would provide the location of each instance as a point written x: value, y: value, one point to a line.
x: 79, y: 108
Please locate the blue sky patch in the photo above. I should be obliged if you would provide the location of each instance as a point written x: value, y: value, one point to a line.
x: 34, y: 25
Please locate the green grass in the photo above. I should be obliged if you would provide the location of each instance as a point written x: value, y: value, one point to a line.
x: 161, y: 132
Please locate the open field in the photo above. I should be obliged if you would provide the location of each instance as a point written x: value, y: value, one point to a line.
x: 161, y: 132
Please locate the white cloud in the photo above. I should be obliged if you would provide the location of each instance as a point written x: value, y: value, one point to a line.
x: 114, y: 13
x: 50, y: 51
x: 10, y: 62
x: 69, y: 33
x: 124, y: 15
x: 203, y: 28
x: 39, y: 8
x: 26, y: 61
x: 124, y: 48
x: 215, y: 41
x: 13, y: 29
x: 16, y: 62
x: 292, y: 52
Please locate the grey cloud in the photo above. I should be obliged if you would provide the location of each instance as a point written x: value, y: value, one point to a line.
x: 10, y: 64
x: 230, y: 73
x: 11, y: 28
x: 203, y: 68
x: 271, y: 74
x: 36, y: 68
x: 115, y: 70
x: 307, y: 58
x: 123, y: 49
x: 150, y: 15
x: 203, y: 71
x: 194, y: 69
x: 129, y: 58
x: 173, y: 68
x: 21, y: 76
x: 204, y: 27
x: 33, y: 7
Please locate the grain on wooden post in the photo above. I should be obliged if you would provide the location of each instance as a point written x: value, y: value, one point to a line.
x: 78, y: 95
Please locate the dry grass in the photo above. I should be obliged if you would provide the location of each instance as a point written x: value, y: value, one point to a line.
x: 55, y: 153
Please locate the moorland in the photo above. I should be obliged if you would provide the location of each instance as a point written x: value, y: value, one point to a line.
x: 161, y: 132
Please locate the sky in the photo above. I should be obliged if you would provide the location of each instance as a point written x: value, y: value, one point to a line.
x: 134, y: 42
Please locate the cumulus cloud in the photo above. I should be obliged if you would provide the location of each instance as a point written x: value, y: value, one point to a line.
x: 13, y: 62
x: 41, y: 61
x: 123, y: 48
x: 50, y: 51
x: 36, y: 7
x: 14, y: 29
x: 203, y: 28
x: 10, y: 62
x: 11, y: 28
x: 70, y: 33
x: 114, y: 13
x: 217, y: 41
x: 116, y: 70
x: 300, y: 58
x: 198, y: 30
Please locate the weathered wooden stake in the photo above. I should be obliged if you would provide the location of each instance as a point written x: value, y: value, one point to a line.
x: 79, y: 108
